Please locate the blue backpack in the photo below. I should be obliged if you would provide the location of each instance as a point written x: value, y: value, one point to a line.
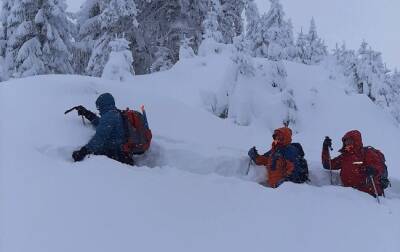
x: 300, y: 173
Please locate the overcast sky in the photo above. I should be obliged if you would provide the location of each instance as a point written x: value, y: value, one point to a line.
x: 376, y: 21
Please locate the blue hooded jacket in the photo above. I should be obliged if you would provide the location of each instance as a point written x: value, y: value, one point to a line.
x: 110, y: 134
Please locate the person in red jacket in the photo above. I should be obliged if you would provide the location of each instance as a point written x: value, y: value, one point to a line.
x: 357, y: 164
x: 282, y: 161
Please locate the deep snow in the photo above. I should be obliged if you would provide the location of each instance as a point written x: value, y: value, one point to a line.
x: 189, y: 193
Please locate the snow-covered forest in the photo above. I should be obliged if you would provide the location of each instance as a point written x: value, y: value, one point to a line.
x: 41, y: 37
x: 216, y: 77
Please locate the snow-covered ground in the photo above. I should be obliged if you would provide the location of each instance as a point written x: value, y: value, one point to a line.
x: 190, y: 192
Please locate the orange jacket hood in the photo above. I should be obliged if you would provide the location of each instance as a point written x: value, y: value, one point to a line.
x: 285, y: 134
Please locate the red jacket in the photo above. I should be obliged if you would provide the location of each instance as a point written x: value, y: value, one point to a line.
x: 352, y: 165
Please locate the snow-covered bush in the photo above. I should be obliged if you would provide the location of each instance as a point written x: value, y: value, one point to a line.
x: 185, y: 50
x: 254, y: 89
x: 120, y: 62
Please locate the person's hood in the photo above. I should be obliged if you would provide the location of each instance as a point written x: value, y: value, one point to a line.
x: 105, y: 103
x: 286, y: 134
x: 354, y: 135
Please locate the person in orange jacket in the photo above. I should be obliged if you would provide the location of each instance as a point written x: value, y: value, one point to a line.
x: 284, y: 162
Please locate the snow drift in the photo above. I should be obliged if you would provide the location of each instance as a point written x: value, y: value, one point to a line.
x: 190, y: 192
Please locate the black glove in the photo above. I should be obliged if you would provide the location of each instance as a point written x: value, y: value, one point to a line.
x: 80, y: 154
x: 327, y: 143
x: 82, y: 111
x: 371, y: 171
x: 253, y: 154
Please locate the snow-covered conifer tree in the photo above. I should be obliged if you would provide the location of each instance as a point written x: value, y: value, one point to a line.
x: 347, y: 62
x: 36, y: 37
x: 162, y: 26
x: 4, y: 34
x: 371, y: 72
x: 55, y: 35
x: 230, y: 20
x: 99, y: 23
x: 301, y: 47
x: 253, y: 27
x: 276, y: 34
x: 242, y: 57
x: 316, y: 49
x: 120, y: 62
x: 290, y: 48
x: 212, y: 36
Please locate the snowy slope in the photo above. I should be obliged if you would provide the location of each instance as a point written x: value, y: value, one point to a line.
x: 190, y: 192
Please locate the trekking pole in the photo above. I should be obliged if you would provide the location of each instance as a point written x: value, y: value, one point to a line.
x: 144, y: 115
x: 375, y: 191
x: 248, y: 167
x: 330, y: 163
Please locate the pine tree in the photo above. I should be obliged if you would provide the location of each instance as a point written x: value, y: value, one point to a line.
x: 317, y: 49
x: 36, y: 37
x: 242, y: 57
x: 291, y: 50
x: 276, y: 34
x: 301, y: 47
x: 101, y: 22
x: 310, y: 48
x: 230, y: 20
x: 212, y: 36
x: 371, y: 72
x: 253, y: 28
x: 162, y: 26
x: 4, y: 32
x: 55, y: 36
x: 120, y: 62
x: 347, y: 62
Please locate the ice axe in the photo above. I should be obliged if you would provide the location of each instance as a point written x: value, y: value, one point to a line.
x: 75, y: 108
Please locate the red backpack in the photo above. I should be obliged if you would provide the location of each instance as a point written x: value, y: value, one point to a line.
x: 137, y: 132
x: 384, y: 175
